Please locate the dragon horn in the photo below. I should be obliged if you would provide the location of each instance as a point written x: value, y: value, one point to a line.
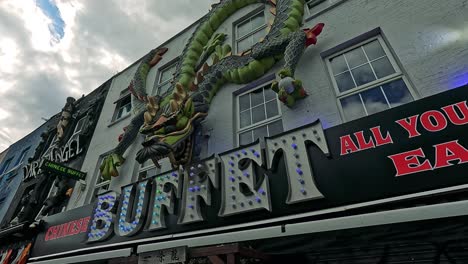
x: 215, y: 58
x: 199, y: 77
x: 174, y: 105
x: 205, y: 68
x: 317, y: 29
x: 152, y: 105
x: 179, y: 89
x: 193, y: 87
x: 147, y: 117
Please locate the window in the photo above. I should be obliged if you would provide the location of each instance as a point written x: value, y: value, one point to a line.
x: 21, y: 157
x: 317, y: 7
x: 123, y: 106
x: 367, y: 79
x: 147, y: 169
x: 5, y: 166
x: 250, y: 31
x: 313, y: 3
x: 258, y: 115
x: 165, y: 78
x: 101, y: 185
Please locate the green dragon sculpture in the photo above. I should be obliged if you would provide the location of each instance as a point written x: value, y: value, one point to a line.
x: 169, y: 120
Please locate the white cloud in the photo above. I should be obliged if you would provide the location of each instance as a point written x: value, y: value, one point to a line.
x: 38, y: 72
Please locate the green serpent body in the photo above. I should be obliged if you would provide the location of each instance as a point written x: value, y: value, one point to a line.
x: 182, y: 107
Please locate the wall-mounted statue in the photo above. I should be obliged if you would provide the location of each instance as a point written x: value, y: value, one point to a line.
x: 169, y: 122
x: 62, y: 193
x: 65, y: 116
x: 44, y: 193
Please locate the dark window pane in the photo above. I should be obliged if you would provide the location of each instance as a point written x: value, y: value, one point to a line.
x: 269, y: 94
x: 163, y: 88
x: 258, y: 113
x: 382, y: 67
x: 128, y: 107
x: 397, y: 93
x: 374, y: 50
x: 314, y: 3
x: 260, y: 132
x: 352, y: 107
x: 166, y: 74
x: 272, y: 109
x: 245, y: 138
x: 152, y: 172
x: 244, y: 102
x: 126, y: 100
x: 245, y: 118
x: 124, y: 110
x: 275, y: 128
x: 374, y: 100
x: 257, y: 36
x: 142, y: 175
x: 338, y: 65
x: 147, y: 163
x: 244, y: 28
x: 355, y: 57
x: 244, y: 44
x: 258, y: 20
x: 363, y: 75
x: 344, y: 82
x: 257, y: 97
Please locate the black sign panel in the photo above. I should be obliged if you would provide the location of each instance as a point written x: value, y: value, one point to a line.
x: 420, y: 146
x: 57, y: 168
x: 63, y: 231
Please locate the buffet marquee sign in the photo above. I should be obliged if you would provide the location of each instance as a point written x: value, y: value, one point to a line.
x: 419, y: 148
x: 144, y: 206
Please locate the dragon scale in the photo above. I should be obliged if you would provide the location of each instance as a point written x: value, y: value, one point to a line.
x: 169, y: 120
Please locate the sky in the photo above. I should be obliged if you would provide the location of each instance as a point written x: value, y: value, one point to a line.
x: 51, y: 49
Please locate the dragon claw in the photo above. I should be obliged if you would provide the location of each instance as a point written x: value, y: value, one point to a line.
x: 289, y: 90
x: 109, y: 166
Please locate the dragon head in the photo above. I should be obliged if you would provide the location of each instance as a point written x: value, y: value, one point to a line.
x: 155, y: 55
x: 168, y: 127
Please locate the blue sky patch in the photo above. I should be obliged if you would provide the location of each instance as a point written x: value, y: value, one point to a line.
x: 56, y: 28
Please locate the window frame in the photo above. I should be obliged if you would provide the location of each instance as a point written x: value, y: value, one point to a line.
x: 6, y: 165
x: 249, y: 17
x: 161, y: 70
x: 309, y: 4
x: 313, y: 10
x: 398, y: 74
x: 165, y: 163
x: 83, y: 125
x: 20, y: 159
x: 266, y: 121
x: 97, y: 186
x: 93, y: 188
x: 118, y: 106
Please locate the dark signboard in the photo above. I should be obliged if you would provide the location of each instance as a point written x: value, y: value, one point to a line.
x: 57, y: 168
x: 417, y: 147
x: 63, y: 230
